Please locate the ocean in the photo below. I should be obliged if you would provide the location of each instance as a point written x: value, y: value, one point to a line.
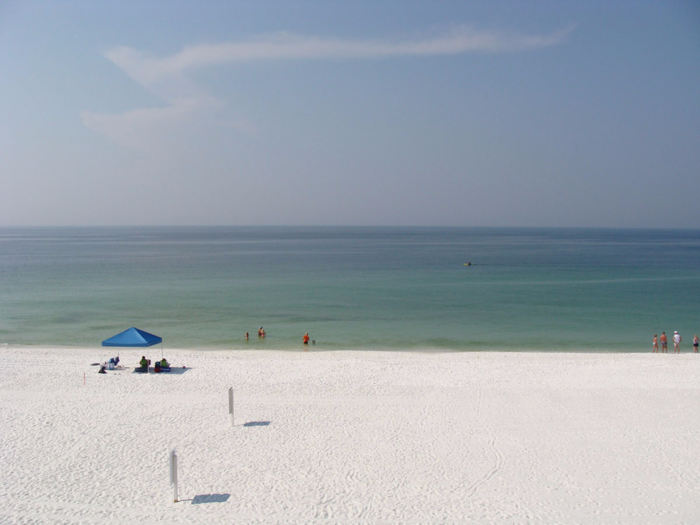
x: 567, y: 290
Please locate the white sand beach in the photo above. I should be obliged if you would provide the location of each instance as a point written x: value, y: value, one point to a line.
x: 350, y: 437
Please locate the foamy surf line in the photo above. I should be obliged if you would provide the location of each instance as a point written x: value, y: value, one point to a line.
x: 349, y: 437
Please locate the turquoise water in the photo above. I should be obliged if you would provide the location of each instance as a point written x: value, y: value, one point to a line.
x: 351, y: 288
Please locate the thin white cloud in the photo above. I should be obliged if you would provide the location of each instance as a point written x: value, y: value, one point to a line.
x: 167, y: 78
x: 286, y: 46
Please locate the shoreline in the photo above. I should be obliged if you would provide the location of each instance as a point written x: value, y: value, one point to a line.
x: 685, y: 349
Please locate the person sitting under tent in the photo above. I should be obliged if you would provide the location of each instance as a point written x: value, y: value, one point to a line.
x: 144, y: 363
x: 113, y: 362
x: 164, y: 365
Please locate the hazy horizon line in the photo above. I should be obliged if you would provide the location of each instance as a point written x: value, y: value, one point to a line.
x: 343, y: 226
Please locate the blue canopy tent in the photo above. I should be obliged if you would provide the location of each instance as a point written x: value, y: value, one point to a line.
x: 133, y: 337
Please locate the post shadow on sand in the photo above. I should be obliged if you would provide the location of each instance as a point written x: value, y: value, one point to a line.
x: 210, y: 498
x: 257, y: 423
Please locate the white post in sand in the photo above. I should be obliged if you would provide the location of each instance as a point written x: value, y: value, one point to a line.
x: 230, y: 404
x: 173, y: 474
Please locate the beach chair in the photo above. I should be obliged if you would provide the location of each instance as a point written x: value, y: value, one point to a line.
x: 112, y: 363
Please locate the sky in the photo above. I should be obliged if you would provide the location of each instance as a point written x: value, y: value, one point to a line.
x: 335, y: 112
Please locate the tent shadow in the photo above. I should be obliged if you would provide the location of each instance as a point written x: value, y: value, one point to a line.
x: 177, y: 371
x: 210, y: 498
x: 173, y: 370
x: 257, y: 423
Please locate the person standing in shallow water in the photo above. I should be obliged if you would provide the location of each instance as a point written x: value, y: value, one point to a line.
x: 696, y: 341
x: 655, y: 345
x: 305, y: 339
x: 664, y: 343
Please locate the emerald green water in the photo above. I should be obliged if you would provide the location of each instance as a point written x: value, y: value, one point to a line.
x: 351, y: 288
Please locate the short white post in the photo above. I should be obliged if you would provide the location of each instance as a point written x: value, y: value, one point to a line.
x: 173, y: 473
x: 230, y: 404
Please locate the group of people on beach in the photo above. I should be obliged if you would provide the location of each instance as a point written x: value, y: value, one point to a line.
x: 676, y: 343
x: 163, y: 363
x: 261, y: 333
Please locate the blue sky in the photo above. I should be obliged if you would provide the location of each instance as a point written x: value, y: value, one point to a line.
x: 429, y: 113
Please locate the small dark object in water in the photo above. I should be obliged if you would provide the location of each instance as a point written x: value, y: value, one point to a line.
x: 313, y: 341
